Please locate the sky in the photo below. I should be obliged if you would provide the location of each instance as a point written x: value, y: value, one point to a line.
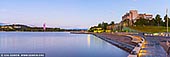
x: 75, y: 13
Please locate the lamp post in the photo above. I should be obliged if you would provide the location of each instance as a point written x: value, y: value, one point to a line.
x: 168, y: 44
x: 167, y: 19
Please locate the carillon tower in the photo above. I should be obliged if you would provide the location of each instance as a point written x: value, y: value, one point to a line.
x: 44, y: 26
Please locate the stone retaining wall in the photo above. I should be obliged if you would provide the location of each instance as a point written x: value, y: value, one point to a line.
x: 124, y: 46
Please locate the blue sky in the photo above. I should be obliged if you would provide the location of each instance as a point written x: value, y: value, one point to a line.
x: 74, y: 13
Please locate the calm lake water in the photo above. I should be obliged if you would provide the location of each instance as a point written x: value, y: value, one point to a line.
x: 58, y: 44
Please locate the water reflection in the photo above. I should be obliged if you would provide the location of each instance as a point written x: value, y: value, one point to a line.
x: 88, y: 40
x: 58, y: 44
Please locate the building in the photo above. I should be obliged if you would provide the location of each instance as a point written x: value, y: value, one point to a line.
x: 109, y: 28
x: 133, y: 15
x: 145, y: 16
x: 98, y: 30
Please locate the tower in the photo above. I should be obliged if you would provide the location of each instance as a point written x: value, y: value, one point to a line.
x: 44, y: 26
x: 133, y: 14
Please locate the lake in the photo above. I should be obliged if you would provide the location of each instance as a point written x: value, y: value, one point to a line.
x: 58, y: 44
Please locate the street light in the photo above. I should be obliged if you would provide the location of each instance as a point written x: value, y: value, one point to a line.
x: 167, y: 24
x: 167, y: 19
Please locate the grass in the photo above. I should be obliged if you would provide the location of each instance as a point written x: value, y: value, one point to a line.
x: 150, y: 29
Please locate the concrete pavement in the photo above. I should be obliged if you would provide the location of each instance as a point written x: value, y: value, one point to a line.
x: 152, y: 48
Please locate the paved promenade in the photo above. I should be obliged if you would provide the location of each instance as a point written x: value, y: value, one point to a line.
x: 152, y: 48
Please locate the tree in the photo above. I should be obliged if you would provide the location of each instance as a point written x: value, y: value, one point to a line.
x: 159, y: 20
x: 165, y: 18
x: 126, y: 22
x: 112, y: 23
x: 99, y: 25
x: 142, y: 22
x: 104, y: 25
x: 152, y: 22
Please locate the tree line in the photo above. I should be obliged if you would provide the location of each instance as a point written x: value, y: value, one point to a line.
x: 33, y: 29
x: 102, y: 25
x: 157, y: 21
